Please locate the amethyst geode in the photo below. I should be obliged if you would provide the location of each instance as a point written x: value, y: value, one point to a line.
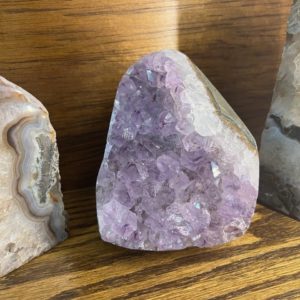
x: 180, y: 168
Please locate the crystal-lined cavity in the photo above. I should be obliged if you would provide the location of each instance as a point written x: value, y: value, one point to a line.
x: 180, y: 169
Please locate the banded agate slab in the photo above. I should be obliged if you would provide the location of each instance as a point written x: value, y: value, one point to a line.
x: 32, y: 218
x: 180, y: 168
x: 280, y: 141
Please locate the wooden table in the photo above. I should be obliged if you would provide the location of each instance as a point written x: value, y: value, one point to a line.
x: 71, y: 54
x: 264, y: 264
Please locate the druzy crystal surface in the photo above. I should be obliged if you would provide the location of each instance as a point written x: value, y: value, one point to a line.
x: 180, y: 169
x: 280, y: 142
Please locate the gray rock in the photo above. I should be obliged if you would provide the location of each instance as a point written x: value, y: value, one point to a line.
x: 280, y: 142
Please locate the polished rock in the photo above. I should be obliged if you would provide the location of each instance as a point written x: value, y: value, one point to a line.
x: 180, y: 168
x: 280, y: 142
x: 32, y: 218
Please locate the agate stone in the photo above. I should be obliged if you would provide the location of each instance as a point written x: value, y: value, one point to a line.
x: 180, y: 169
x: 31, y: 208
x: 280, y: 142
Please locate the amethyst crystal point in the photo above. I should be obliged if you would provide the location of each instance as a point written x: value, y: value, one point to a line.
x: 180, y: 168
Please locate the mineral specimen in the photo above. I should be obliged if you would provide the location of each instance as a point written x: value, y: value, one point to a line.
x: 31, y: 209
x: 280, y: 142
x: 180, y: 169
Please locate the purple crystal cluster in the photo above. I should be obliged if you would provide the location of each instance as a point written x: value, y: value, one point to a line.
x: 161, y: 185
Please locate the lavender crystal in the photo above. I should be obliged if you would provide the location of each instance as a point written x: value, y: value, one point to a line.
x: 180, y: 169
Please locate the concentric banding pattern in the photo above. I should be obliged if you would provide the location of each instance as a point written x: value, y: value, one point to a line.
x: 33, y: 140
x: 32, y: 218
